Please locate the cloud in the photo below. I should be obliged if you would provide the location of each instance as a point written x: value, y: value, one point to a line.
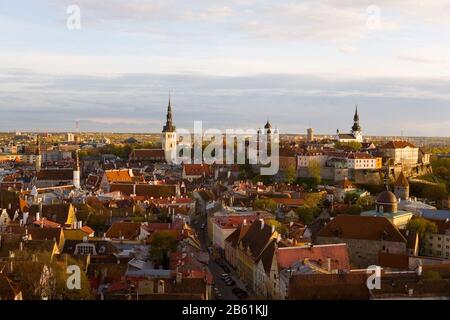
x: 137, y: 102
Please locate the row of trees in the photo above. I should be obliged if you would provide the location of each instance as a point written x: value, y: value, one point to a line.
x: 122, y: 151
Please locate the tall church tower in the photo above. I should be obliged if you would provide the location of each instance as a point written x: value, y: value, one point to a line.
x: 356, y: 129
x: 169, y: 136
x: 38, y: 156
x: 76, y: 172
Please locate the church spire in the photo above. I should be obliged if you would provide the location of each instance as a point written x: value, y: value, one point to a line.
x: 169, y: 127
x: 356, y: 127
x: 37, y: 151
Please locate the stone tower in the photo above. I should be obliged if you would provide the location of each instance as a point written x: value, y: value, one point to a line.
x: 169, y: 136
x: 401, y: 188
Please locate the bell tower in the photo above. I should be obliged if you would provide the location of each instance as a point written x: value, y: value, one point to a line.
x: 356, y: 128
x: 169, y: 136
x: 76, y: 171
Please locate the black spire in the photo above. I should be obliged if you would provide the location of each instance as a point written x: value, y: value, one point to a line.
x: 169, y: 127
x: 76, y: 165
x: 356, y: 126
x: 38, y: 146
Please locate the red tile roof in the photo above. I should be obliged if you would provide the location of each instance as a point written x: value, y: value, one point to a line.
x: 128, y: 230
x: 338, y: 253
x: 398, y: 145
x: 197, y: 169
x: 362, y: 228
x: 147, y: 154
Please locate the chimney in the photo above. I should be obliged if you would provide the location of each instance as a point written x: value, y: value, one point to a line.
x: 179, y: 277
x: 329, y: 264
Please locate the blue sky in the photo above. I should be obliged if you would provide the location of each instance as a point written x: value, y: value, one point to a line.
x: 228, y: 63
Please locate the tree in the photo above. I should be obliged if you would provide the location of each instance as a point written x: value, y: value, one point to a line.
x: 31, y: 268
x: 422, y: 227
x: 351, y: 198
x: 306, y: 214
x: 313, y: 199
x: 354, y: 210
x: 162, y: 244
x: 348, y: 146
x: 315, y: 170
x: 290, y: 175
x: 435, y: 192
x: 366, y: 202
x: 265, y: 204
x: 279, y: 227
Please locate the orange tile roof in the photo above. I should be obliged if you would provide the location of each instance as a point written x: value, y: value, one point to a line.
x: 118, y: 175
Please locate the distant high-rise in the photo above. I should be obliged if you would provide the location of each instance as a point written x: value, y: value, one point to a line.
x: 310, y: 134
x: 70, y: 137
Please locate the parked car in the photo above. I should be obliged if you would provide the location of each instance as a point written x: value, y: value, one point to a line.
x: 240, y: 294
x: 230, y: 283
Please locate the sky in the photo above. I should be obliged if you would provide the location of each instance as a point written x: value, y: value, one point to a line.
x: 230, y: 64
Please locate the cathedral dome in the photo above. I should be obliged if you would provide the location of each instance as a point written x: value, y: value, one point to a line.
x: 268, y: 125
x: 387, y: 197
x: 387, y: 202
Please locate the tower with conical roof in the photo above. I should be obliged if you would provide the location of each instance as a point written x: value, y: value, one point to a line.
x: 356, y: 128
x: 169, y: 136
x: 401, y: 188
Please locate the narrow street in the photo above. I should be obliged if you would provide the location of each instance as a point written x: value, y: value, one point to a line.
x: 215, y: 269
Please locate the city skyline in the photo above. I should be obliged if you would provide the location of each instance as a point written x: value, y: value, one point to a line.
x: 233, y: 64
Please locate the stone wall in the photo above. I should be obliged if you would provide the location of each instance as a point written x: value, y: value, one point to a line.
x: 364, y: 253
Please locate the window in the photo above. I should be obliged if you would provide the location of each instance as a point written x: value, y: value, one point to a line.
x: 85, y: 250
